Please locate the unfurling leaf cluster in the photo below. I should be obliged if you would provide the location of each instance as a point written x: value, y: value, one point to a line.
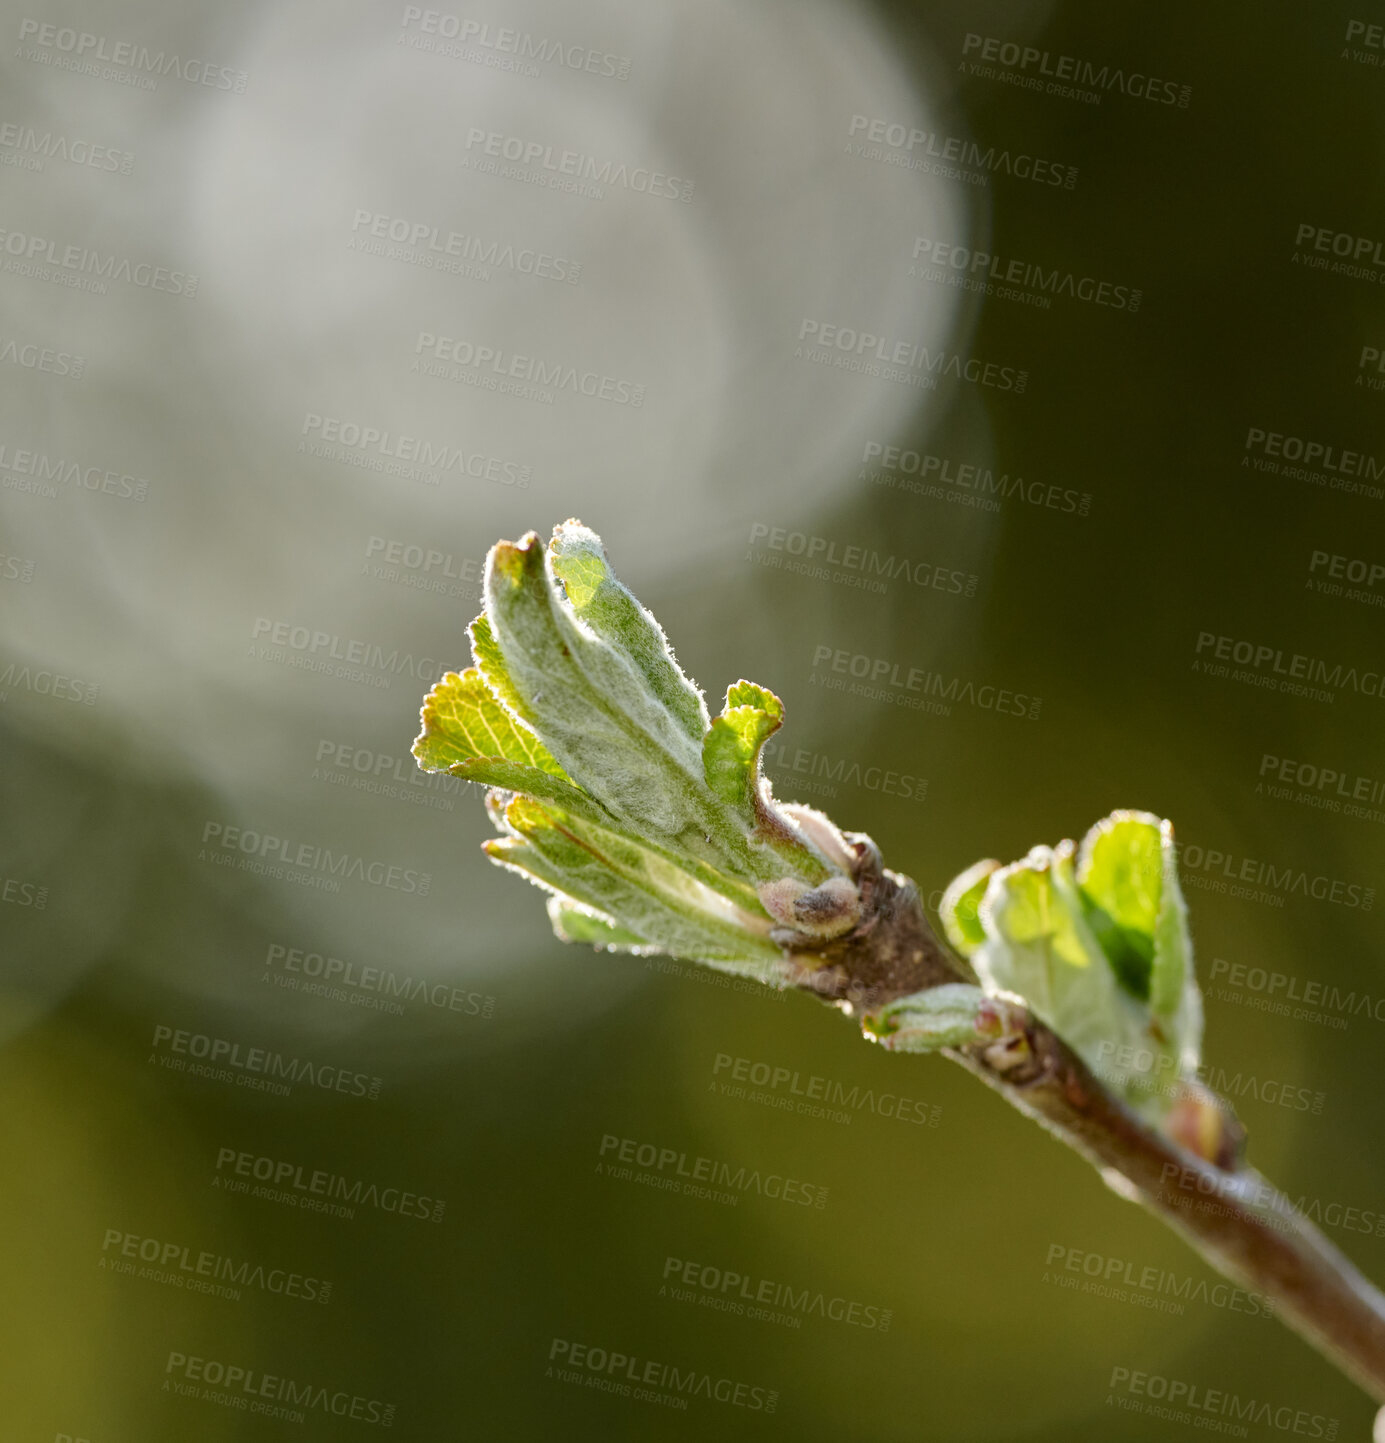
x: 1094, y: 938
x: 647, y: 820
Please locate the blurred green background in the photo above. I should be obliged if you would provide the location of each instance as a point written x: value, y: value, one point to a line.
x: 119, y: 920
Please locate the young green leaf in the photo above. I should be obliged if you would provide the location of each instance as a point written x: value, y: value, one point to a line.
x: 617, y: 877
x: 1127, y: 872
x: 575, y: 923
x: 603, y: 603
x: 1173, y: 991
x: 468, y: 733
x: 485, y: 652
x: 952, y: 1015
x: 731, y: 747
x: 593, y: 710
x: 1120, y: 874
x: 1036, y: 946
x: 960, y: 906
x: 462, y: 720
x: 731, y: 764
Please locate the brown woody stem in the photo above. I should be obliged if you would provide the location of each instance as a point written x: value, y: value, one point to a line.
x: 1241, y: 1225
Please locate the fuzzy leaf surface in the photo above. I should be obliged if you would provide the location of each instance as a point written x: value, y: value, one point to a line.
x: 640, y: 891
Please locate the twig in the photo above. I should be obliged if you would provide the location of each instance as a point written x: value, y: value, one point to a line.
x: 1240, y: 1223
x: 653, y: 830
